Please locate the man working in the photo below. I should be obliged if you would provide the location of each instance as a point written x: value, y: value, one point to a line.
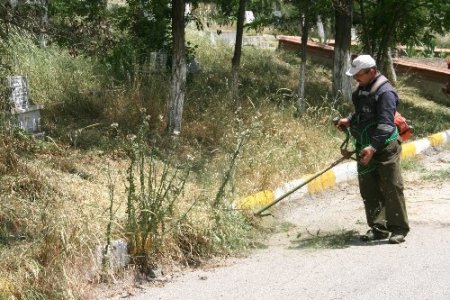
x: 378, y: 150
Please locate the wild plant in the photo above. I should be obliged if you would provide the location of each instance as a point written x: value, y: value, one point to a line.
x: 229, y: 173
x: 154, y: 187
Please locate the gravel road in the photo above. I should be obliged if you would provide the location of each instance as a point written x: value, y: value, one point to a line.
x: 288, y: 267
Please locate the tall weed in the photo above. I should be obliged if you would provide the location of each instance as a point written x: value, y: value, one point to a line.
x: 154, y: 188
x: 53, y: 73
x: 162, y: 216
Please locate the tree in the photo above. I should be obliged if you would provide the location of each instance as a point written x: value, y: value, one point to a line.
x: 307, y: 11
x: 305, y: 25
x: 80, y: 26
x: 148, y: 22
x: 234, y: 10
x: 178, y: 79
x: 28, y: 15
x: 341, y: 62
x: 228, y: 9
x: 384, y: 24
x: 236, y: 61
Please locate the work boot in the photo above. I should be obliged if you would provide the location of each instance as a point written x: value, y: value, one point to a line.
x: 396, y: 238
x: 374, y: 234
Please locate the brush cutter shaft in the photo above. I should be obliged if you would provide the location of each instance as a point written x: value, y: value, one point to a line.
x: 258, y: 213
x: 345, y: 155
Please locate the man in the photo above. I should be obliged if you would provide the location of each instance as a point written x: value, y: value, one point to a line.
x: 378, y: 148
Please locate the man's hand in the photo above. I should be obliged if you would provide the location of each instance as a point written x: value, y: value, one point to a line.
x: 343, y: 123
x: 366, y: 155
x: 345, y: 153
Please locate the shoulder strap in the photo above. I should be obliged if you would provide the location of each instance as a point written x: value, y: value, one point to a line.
x: 378, y: 83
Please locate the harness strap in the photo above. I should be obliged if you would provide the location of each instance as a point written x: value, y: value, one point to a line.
x: 378, y: 83
x: 381, y: 80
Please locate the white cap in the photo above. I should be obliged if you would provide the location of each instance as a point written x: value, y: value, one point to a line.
x: 360, y: 63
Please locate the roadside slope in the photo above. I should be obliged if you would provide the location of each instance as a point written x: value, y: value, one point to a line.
x: 319, y: 255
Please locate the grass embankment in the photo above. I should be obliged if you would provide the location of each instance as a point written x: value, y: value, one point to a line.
x: 108, y: 171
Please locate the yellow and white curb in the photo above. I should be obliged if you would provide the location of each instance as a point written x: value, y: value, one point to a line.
x: 340, y: 173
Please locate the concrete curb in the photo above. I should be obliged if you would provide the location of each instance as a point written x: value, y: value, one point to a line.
x: 340, y: 173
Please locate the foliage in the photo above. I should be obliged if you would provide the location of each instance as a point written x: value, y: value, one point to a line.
x: 28, y: 15
x: 148, y: 23
x: 384, y: 24
x: 151, y: 198
x: 443, y: 41
x: 291, y: 17
x: 123, y: 37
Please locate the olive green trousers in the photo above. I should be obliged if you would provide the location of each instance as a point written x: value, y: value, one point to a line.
x: 382, y: 190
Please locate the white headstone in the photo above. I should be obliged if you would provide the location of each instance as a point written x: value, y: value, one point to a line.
x: 353, y: 34
x: 13, y: 3
x: 320, y: 29
x: 28, y: 116
x: 193, y: 66
x: 249, y: 16
x: 19, y: 92
x: 277, y: 13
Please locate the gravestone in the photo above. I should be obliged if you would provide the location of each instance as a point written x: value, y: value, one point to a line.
x: 28, y: 116
x: 18, y: 86
x: 249, y: 17
x: 115, y: 256
x: 158, y: 61
x: 193, y: 66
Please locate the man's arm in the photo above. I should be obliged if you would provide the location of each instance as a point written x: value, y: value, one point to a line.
x: 386, y: 107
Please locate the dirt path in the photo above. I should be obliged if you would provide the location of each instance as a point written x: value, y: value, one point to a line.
x: 316, y: 253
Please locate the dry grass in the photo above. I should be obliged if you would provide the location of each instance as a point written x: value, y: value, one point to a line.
x: 424, y: 105
x: 56, y: 220
x: 285, y: 148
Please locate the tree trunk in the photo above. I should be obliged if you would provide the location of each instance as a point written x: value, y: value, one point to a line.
x: 178, y: 80
x: 384, y: 58
x: 365, y: 34
x: 44, y: 24
x: 342, y: 84
x: 236, y: 61
x: 389, y: 69
x: 301, y: 105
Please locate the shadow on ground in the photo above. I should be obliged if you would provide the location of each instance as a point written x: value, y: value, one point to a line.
x: 331, y: 240
x: 334, y: 240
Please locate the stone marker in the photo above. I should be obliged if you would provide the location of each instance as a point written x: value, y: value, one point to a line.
x: 28, y: 116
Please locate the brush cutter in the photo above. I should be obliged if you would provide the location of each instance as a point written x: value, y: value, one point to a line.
x: 346, y: 154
